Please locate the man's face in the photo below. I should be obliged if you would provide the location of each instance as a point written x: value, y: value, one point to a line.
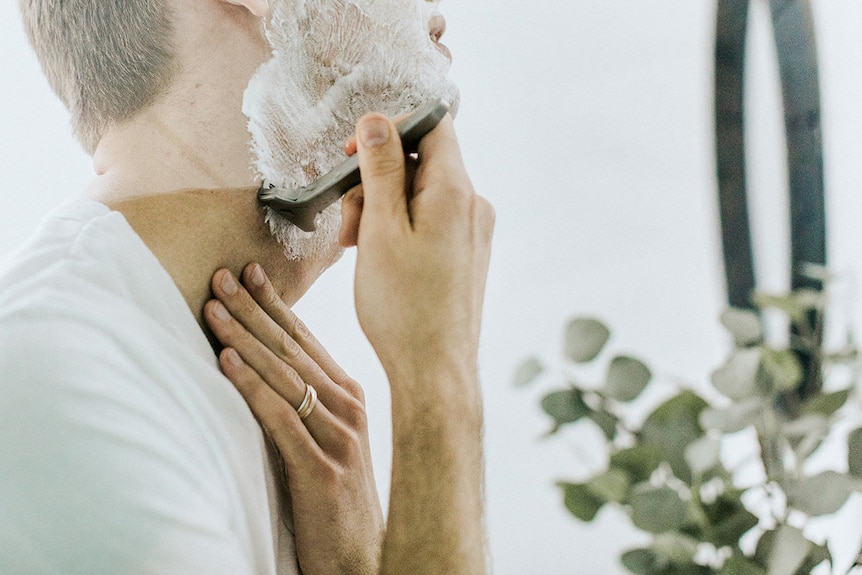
x: 333, y: 62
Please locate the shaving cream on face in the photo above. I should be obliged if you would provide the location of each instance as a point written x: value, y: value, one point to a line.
x: 334, y: 61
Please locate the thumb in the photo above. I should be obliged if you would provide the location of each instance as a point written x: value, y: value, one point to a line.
x: 382, y: 165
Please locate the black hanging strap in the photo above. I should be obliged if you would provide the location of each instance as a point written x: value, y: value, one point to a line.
x: 797, y: 58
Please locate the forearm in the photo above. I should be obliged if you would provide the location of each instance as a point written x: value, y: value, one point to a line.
x: 436, y: 501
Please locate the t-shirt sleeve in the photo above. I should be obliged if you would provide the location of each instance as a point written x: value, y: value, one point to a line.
x: 99, y: 473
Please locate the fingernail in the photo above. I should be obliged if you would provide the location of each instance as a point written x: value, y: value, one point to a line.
x: 257, y: 276
x: 233, y: 357
x: 228, y: 284
x: 374, y: 132
x: 221, y: 312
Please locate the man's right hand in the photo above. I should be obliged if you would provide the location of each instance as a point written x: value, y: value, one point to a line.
x: 423, y: 248
x: 423, y: 243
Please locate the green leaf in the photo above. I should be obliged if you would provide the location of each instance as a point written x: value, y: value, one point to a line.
x: 728, y: 520
x: 744, y: 325
x: 854, y: 452
x: 737, y: 379
x: 607, y: 422
x: 672, y: 427
x: 638, y: 462
x: 703, y: 454
x: 677, y: 548
x: 737, y: 565
x: 787, y: 551
x: 820, y: 494
x: 580, y: 501
x: 612, y: 485
x: 818, y: 554
x: 827, y: 403
x: 627, y: 378
x: 796, y: 304
x: 642, y: 562
x: 566, y: 406
x: 806, y: 434
x: 780, y: 371
x: 656, y: 509
x: 734, y: 418
x: 527, y: 372
x: 585, y: 339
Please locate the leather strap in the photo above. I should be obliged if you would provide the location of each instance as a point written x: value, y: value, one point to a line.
x: 797, y: 58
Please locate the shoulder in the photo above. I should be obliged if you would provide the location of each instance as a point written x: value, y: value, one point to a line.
x: 113, y: 455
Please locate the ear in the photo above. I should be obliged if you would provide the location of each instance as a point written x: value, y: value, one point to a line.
x: 257, y: 7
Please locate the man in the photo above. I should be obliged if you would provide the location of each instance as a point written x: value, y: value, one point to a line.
x: 123, y: 447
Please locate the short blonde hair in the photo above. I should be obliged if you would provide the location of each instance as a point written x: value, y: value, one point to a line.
x: 105, y: 59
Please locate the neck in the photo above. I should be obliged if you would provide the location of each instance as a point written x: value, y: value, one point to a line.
x: 195, y: 232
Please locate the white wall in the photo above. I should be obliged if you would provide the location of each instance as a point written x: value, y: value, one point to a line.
x: 588, y: 124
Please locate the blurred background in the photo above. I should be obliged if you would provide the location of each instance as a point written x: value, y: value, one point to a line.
x: 589, y: 126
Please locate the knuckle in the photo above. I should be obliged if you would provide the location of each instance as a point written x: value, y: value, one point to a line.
x: 349, y: 447
x: 287, y: 346
x: 355, y: 414
x: 354, y: 389
x: 384, y: 165
x: 486, y: 213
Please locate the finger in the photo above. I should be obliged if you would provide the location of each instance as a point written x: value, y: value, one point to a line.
x: 350, y: 144
x: 262, y: 334
x: 247, y: 352
x: 443, y: 190
x: 381, y: 163
x: 263, y: 292
x: 351, y: 212
x: 278, y: 418
x: 314, y: 364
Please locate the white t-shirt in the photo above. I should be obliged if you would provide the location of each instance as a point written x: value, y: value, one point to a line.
x: 123, y: 449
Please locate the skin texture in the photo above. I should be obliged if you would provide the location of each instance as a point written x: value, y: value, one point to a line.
x: 423, y: 249
x: 180, y: 172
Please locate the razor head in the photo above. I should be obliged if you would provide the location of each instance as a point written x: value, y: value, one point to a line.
x: 301, y: 206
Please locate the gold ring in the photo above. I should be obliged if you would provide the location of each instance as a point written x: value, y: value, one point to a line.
x: 308, y: 402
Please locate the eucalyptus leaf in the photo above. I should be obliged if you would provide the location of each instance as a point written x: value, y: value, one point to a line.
x: 565, y: 406
x: 580, y: 501
x: 675, y: 547
x: 612, y: 485
x: 585, y: 339
x: 728, y: 520
x: 527, y: 372
x: 672, y: 427
x: 744, y: 325
x: 737, y: 565
x: 796, y: 304
x: 817, y: 555
x: 806, y: 434
x: 656, y: 509
x: 703, y: 454
x: 638, y: 462
x: 780, y: 371
x: 737, y: 379
x: 806, y: 425
x: 606, y: 422
x: 627, y: 378
x: 854, y: 452
x: 788, y: 551
x: 733, y: 418
x: 826, y: 403
x: 643, y: 562
x: 820, y: 494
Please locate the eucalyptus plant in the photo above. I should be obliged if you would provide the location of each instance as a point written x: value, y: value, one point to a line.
x: 666, y: 472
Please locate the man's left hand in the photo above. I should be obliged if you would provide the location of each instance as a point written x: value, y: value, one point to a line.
x: 270, y: 356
